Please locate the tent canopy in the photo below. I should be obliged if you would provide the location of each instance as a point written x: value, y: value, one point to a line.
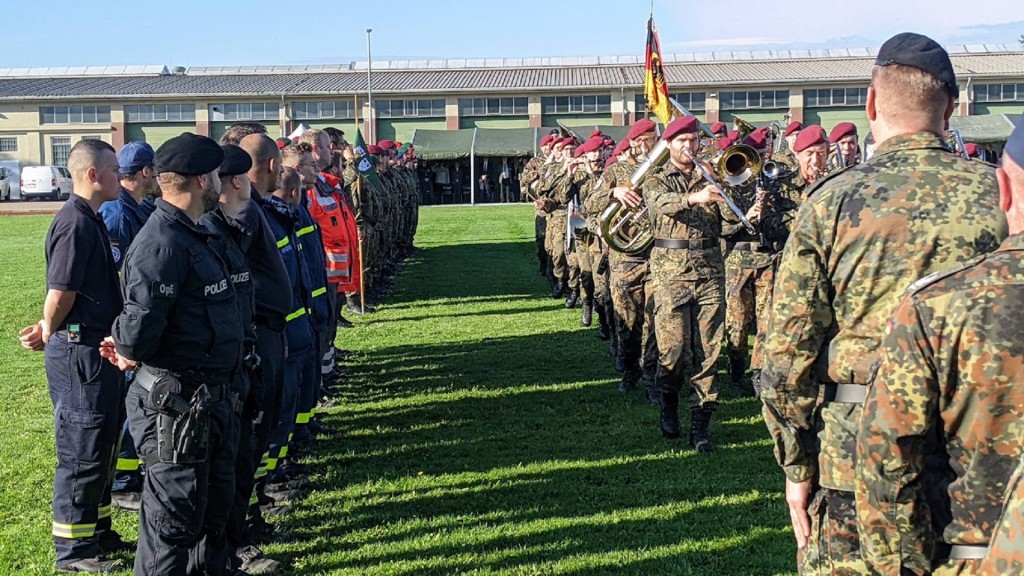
x: 983, y: 129
x: 442, y: 144
x: 505, y: 141
x: 616, y: 133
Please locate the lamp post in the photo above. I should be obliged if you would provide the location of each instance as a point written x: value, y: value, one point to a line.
x: 371, y: 118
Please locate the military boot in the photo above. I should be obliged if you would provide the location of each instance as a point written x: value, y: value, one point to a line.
x: 670, y: 415
x: 700, y: 433
x: 97, y: 565
x: 355, y: 306
x: 587, y: 318
x: 602, y: 324
x: 557, y: 289
x: 755, y: 377
x: 628, y: 382
x: 573, y: 299
x: 653, y: 389
x: 737, y: 371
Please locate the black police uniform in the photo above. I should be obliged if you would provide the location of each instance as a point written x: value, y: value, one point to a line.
x: 86, y: 390
x: 181, y: 318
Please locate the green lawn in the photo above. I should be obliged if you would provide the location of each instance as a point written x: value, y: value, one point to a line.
x: 481, y: 433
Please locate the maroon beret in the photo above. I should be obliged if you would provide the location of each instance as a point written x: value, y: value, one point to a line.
x: 596, y: 133
x: 757, y: 140
x: 809, y: 136
x: 611, y: 160
x: 681, y: 125
x: 719, y: 128
x: 724, y: 142
x: 621, y: 147
x: 386, y: 144
x: 734, y: 135
x: 792, y: 127
x: 544, y: 141
x: 568, y: 141
x: 641, y: 126
x: 374, y: 149
x: 608, y: 142
x: 842, y: 130
x: 971, y: 149
x: 579, y: 151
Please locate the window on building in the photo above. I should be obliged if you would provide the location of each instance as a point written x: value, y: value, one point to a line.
x: 589, y: 104
x: 754, y: 99
x: 835, y: 97
x: 244, y: 111
x: 135, y: 113
x: 410, y: 108
x: 60, y: 149
x: 326, y: 110
x: 9, y: 144
x: 692, y: 101
x: 74, y: 114
x: 494, y: 106
x: 997, y: 92
x: 92, y: 137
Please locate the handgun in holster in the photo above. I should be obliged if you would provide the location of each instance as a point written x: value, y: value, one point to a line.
x: 182, y: 427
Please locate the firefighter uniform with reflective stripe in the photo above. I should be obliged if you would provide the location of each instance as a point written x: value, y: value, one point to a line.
x: 321, y: 314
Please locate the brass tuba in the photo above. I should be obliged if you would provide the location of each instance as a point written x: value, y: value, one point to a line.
x: 628, y: 230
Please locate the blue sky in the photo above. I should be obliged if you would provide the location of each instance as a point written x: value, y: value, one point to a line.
x: 250, y: 32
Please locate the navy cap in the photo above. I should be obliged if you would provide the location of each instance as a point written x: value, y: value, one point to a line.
x: 236, y: 161
x: 1015, y: 145
x: 921, y: 52
x: 188, y: 155
x: 134, y: 156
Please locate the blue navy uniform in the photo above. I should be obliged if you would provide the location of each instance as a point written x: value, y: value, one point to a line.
x: 301, y: 341
x: 320, y: 310
x: 181, y: 316
x: 86, y: 390
x: 124, y: 218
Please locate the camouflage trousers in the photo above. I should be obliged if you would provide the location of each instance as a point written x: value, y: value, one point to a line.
x: 833, y: 548
x: 1006, y: 552
x: 747, y: 295
x: 634, y: 313
x: 689, y: 324
x: 593, y: 286
x: 563, y: 262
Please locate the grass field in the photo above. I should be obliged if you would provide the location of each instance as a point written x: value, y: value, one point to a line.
x: 481, y: 433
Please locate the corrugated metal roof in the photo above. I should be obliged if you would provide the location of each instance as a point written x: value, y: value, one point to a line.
x: 487, y: 78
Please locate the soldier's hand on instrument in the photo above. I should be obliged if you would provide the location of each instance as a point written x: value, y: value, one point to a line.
x: 629, y: 198
x: 705, y: 195
x: 31, y: 337
x: 754, y: 214
x: 797, y: 495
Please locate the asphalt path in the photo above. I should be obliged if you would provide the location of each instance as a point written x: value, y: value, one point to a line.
x: 22, y: 207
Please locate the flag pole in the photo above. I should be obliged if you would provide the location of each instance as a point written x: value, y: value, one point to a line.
x: 359, y: 235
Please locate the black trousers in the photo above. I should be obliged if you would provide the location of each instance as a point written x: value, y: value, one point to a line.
x: 88, y: 405
x: 185, y: 507
x: 540, y: 226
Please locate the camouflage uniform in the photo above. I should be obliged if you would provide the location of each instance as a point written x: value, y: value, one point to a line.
x: 689, y: 293
x: 637, y: 349
x: 941, y: 432
x: 860, y: 239
x: 1006, y: 549
x: 556, y: 185
x: 529, y: 180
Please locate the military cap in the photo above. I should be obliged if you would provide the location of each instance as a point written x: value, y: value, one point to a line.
x: 188, y: 155
x: 579, y: 151
x: 620, y: 147
x: 135, y: 156
x: 386, y: 144
x: 596, y: 133
x: 608, y: 142
x: 733, y: 134
x: 374, y: 150
x: 809, y: 136
x: 921, y: 52
x: 971, y: 149
x: 236, y: 161
x: 792, y: 127
x: 568, y: 141
x: 681, y: 125
x: 611, y: 160
x: 593, y: 144
x: 640, y: 127
x: 719, y: 128
x: 1015, y: 145
x: 724, y: 142
x: 842, y: 130
x: 757, y: 140
x: 544, y: 141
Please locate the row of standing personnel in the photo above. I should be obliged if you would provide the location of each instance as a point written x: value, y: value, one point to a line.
x: 234, y: 264
x: 889, y: 310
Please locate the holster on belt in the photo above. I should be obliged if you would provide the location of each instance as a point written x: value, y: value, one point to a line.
x: 182, y: 426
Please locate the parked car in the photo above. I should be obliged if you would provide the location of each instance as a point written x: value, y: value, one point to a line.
x: 5, y: 185
x: 53, y: 182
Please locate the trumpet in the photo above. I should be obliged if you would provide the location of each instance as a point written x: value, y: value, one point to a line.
x: 625, y: 229
x: 958, y: 143
x: 739, y: 165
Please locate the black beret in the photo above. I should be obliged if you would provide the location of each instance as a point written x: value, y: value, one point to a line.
x: 236, y: 161
x: 921, y: 52
x: 188, y: 155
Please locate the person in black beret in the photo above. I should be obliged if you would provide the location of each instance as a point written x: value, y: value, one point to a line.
x: 183, y: 333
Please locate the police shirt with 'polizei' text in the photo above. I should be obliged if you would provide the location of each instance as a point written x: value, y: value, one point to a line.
x: 180, y: 310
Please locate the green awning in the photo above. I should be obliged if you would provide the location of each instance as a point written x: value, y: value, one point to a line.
x: 984, y: 128
x: 442, y: 144
x: 505, y: 142
x: 616, y: 133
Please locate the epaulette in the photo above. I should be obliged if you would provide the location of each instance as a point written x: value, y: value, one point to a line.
x: 922, y: 283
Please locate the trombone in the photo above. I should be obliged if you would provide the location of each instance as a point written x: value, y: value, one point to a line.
x: 739, y: 165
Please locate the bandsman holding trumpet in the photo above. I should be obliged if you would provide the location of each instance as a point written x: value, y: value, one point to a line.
x: 586, y: 173
x: 555, y: 187
x: 844, y: 139
x: 529, y: 180
x: 687, y: 272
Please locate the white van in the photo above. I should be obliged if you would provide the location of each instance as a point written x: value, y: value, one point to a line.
x: 53, y: 182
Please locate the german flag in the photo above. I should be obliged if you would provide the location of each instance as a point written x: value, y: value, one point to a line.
x: 655, y: 86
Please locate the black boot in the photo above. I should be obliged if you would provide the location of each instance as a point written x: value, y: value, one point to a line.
x: 670, y: 415
x: 557, y: 288
x: 355, y: 306
x: 755, y: 376
x: 628, y: 382
x: 700, y: 433
x: 573, y: 299
x: 587, y: 317
x: 542, y: 270
x: 653, y: 389
x: 344, y: 322
x: 602, y: 324
x: 737, y: 371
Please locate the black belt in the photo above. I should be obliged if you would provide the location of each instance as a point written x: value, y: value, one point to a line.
x: 217, y: 392
x: 679, y: 244
x: 749, y: 246
x: 846, y: 393
x: 945, y: 551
